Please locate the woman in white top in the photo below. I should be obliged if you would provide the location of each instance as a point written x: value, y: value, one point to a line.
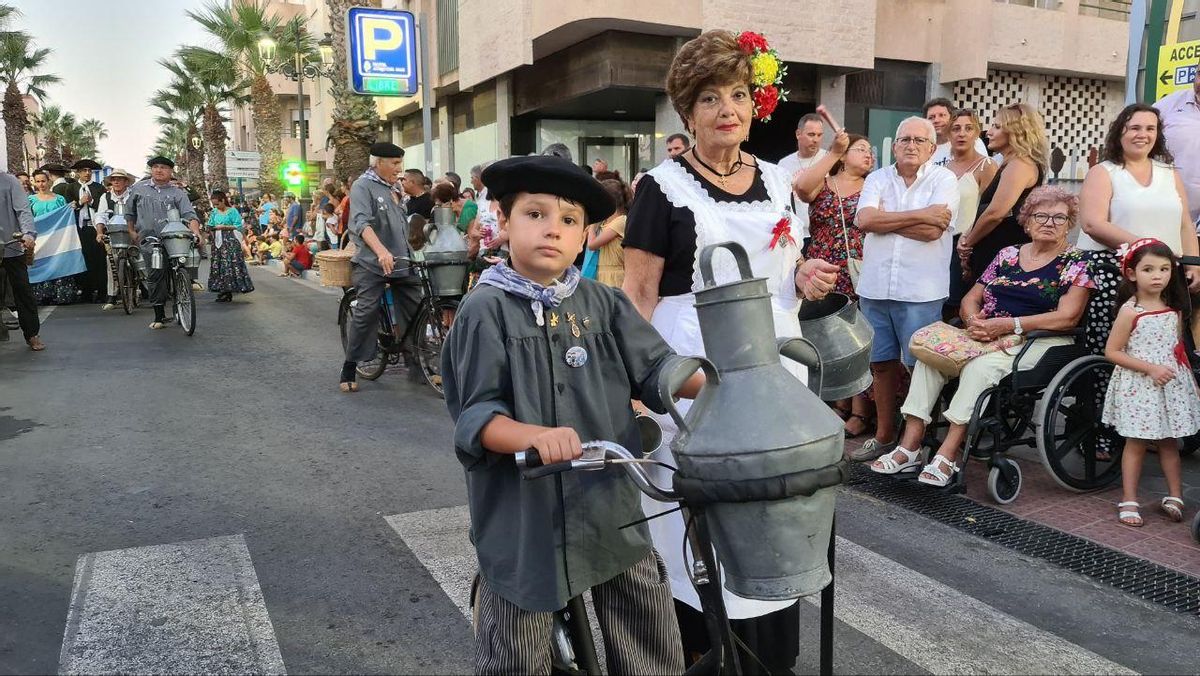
x: 1135, y: 192
x: 975, y: 172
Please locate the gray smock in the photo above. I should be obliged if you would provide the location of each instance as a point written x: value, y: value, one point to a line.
x: 371, y: 204
x: 148, y: 203
x: 541, y: 542
x: 15, y: 216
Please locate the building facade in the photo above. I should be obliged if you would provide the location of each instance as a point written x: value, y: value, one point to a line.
x: 513, y: 76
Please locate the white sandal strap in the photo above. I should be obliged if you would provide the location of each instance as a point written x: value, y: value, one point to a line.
x: 1129, y: 515
x: 1172, y: 498
x: 935, y: 468
x: 1128, y: 503
x: 889, y: 463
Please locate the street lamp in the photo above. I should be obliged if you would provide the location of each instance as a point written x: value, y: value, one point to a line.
x: 297, y: 70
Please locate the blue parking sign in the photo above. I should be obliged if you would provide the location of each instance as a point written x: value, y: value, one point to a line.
x: 382, y: 51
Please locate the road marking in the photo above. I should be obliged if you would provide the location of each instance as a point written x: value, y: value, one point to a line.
x: 186, y: 607
x: 924, y: 621
x: 944, y: 630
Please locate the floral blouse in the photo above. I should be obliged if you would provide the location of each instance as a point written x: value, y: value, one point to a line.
x: 1011, y: 291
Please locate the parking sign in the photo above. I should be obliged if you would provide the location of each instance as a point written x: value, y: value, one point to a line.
x: 382, y: 51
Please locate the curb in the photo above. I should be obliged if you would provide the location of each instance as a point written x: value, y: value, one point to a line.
x: 309, y: 278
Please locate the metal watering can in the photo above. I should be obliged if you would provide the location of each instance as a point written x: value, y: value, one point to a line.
x: 446, y: 254
x: 754, y: 426
x: 118, y: 228
x: 842, y: 337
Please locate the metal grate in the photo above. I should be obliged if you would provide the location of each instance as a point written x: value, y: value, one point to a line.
x: 447, y: 36
x: 1150, y: 581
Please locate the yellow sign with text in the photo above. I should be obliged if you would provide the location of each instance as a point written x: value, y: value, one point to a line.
x: 1176, y: 67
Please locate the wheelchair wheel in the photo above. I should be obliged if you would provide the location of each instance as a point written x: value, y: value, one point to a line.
x: 1070, y: 435
x: 1004, y: 481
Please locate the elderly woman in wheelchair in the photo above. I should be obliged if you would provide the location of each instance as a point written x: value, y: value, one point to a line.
x: 1039, y: 286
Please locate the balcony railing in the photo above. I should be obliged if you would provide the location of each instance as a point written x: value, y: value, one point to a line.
x: 1106, y: 9
x: 447, y: 36
x: 1040, y: 4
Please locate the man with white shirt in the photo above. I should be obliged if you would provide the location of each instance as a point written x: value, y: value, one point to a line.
x: 941, y: 112
x: 106, y: 206
x: 906, y: 209
x: 1181, y: 128
x: 809, y: 133
x: 83, y: 196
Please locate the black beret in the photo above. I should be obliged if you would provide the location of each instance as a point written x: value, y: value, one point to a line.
x: 87, y: 164
x: 160, y: 160
x: 385, y: 149
x: 548, y: 175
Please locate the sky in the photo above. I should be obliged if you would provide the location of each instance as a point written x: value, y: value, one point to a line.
x: 107, y: 53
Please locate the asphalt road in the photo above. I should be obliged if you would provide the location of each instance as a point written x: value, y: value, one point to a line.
x: 214, y: 503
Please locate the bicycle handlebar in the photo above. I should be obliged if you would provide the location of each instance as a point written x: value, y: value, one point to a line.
x: 598, y: 455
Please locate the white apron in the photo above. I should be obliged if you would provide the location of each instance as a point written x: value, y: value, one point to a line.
x: 751, y: 225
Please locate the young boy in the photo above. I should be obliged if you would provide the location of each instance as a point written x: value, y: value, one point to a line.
x: 298, y: 259
x: 539, y: 359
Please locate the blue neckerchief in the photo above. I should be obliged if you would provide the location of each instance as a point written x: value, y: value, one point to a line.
x: 370, y: 173
x: 506, y: 279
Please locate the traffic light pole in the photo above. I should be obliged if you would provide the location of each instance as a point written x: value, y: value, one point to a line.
x: 303, y: 133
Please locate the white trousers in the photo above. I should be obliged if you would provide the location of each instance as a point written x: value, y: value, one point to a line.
x: 978, y: 375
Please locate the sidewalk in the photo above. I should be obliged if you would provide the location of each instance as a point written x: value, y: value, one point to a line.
x: 1094, y: 515
x: 309, y: 278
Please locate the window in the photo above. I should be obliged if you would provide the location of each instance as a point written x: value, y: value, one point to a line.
x: 295, y: 130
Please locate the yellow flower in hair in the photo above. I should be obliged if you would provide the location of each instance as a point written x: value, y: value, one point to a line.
x: 766, y: 69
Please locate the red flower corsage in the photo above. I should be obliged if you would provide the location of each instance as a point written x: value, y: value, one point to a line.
x: 766, y: 99
x: 751, y: 42
x: 782, y: 233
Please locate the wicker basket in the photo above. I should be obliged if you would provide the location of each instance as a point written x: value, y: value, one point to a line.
x: 335, y: 267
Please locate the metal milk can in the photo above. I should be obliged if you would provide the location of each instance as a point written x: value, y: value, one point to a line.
x: 117, y: 228
x: 842, y: 336
x: 446, y: 254
x: 756, y: 424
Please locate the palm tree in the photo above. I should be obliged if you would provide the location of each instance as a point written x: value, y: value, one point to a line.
x: 20, y: 64
x: 216, y: 75
x: 76, y: 143
x: 239, y: 27
x: 181, y: 103
x: 51, y: 126
x: 355, y: 119
x: 173, y: 139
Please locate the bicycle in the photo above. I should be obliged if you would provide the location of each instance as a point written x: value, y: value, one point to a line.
x: 174, y: 256
x: 124, y: 258
x: 572, y: 646
x: 423, y: 339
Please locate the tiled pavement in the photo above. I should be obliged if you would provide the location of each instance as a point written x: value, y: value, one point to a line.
x: 1094, y: 515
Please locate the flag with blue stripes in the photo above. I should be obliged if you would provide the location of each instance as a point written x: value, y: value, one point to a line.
x: 57, y: 252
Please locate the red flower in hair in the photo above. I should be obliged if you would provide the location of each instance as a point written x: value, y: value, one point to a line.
x: 750, y: 42
x: 766, y: 99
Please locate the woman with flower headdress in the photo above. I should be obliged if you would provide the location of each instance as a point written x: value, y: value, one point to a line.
x: 714, y: 192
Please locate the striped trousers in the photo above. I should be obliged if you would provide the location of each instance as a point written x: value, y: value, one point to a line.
x: 636, y: 616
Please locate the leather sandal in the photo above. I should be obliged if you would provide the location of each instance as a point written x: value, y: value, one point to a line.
x: 1127, y: 516
x: 1172, y: 507
x: 36, y: 344
x: 351, y: 386
x: 866, y: 425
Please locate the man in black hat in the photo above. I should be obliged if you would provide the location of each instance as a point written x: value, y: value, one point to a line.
x: 146, y: 211
x: 378, y: 227
x: 84, y: 195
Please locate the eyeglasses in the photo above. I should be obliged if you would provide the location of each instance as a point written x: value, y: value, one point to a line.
x: 912, y: 141
x: 1042, y: 218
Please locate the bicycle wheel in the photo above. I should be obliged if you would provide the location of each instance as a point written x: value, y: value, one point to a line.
x: 429, y: 336
x: 185, y: 301
x: 373, y: 368
x: 127, y: 285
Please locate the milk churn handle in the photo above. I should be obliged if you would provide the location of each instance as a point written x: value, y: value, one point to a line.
x: 803, y: 351
x: 739, y: 255
x: 675, y: 374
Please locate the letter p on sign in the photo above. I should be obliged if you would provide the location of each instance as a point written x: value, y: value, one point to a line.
x: 380, y: 35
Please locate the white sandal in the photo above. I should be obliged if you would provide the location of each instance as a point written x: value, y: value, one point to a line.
x: 887, y: 464
x: 1172, y: 507
x: 1123, y: 514
x: 934, y: 468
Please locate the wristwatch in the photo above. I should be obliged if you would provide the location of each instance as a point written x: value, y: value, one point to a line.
x: 1017, y: 326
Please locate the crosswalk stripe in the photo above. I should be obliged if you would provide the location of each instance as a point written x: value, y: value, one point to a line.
x: 928, y: 623
x: 943, y: 630
x: 186, y: 607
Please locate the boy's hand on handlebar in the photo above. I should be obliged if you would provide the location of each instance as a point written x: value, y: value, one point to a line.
x: 557, y: 444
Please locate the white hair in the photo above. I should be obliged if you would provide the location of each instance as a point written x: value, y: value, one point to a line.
x: 372, y: 161
x: 931, y: 133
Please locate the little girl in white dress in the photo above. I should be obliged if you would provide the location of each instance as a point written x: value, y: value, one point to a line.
x: 1152, y: 396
